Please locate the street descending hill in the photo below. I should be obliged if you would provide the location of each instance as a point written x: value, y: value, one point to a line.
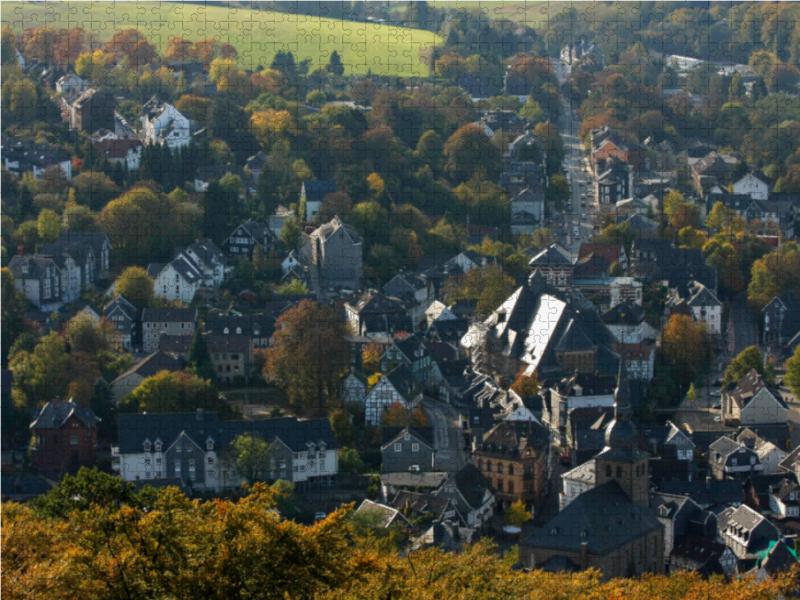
x: 257, y: 35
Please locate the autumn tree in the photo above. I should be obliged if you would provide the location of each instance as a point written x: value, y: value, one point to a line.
x: 350, y: 461
x: 775, y: 273
x: 308, y: 355
x: 685, y: 345
x: 176, y: 392
x: 40, y: 374
x: 792, y: 377
x: 526, y: 386
x: 49, y: 225
x: 133, y: 45
x: 136, y: 286
x: 748, y: 359
x: 488, y: 285
x: 517, y: 515
x: 680, y: 212
x: 724, y: 219
x: 370, y: 357
x: 85, y: 336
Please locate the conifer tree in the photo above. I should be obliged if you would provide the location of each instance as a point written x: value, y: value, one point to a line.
x: 199, y: 358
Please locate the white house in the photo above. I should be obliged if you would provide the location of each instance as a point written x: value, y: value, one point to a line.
x: 640, y: 360
x: 290, y: 262
x: 70, y: 83
x: 118, y: 150
x: 192, y: 447
x: 575, y: 482
x: 39, y: 280
x: 704, y: 305
x: 162, y: 123
x: 399, y: 385
x: 756, y: 185
x: 529, y: 202
x: 784, y: 498
x: 753, y: 402
x: 437, y: 311
x: 354, y: 387
x: 201, y: 264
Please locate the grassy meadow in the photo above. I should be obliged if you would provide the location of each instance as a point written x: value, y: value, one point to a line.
x: 257, y: 35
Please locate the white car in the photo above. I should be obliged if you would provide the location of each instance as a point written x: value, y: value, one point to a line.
x: 576, y: 231
x: 583, y: 217
x: 320, y: 516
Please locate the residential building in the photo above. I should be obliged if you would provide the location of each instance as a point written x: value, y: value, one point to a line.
x: 756, y: 185
x: 64, y: 438
x: 590, y: 56
x: 313, y: 193
x: 257, y: 163
x: 27, y: 156
x: 387, y: 516
x: 278, y: 219
x: 697, y: 301
x: 38, y: 278
x: 230, y: 355
x: 492, y: 121
x: 554, y: 264
x: 248, y: 238
x: 412, y: 449
x: 746, y: 532
x: 200, y: 264
x: 399, y: 385
x: 172, y: 321
x: 711, y: 494
x: 753, y: 402
x: 530, y: 203
x: 82, y: 257
x: 707, y: 172
x: 730, y: 459
x: 410, y: 351
x: 354, y: 387
x: 131, y: 379
x: 657, y: 439
x: 514, y: 456
x: 681, y: 517
x: 162, y: 123
x: 125, y: 151
x: 375, y: 314
x: 338, y: 253
x: 781, y: 318
x: 125, y: 319
x: 414, y: 292
x: 70, y: 83
x: 613, y: 182
x: 90, y: 110
x: 192, y: 447
x: 419, y: 504
x: 21, y: 489
x: 613, y: 253
x: 579, y: 390
x: 627, y: 323
x: 472, y: 494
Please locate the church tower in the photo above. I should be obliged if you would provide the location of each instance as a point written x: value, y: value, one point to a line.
x: 621, y: 460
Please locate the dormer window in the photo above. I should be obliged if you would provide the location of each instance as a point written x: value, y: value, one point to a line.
x: 209, y: 444
x: 147, y: 446
x: 238, y: 330
x: 226, y: 331
x: 158, y: 446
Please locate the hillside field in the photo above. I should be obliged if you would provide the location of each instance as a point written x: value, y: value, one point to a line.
x: 257, y: 35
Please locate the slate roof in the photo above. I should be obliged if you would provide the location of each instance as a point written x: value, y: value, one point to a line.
x: 253, y: 325
x: 389, y: 515
x: 54, y: 414
x: 134, y: 429
x: 36, y: 266
x: 175, y: 344
x: 120, y: 303
x: 611, y: 252
x: 511, y: 438
x: 603, y: 517
x: 33, y: 485
x: 550, y: 256
x: 77, y: 244
x: 421, y: 503
x: 471, y: 484
x: 423, y: 432
x: 152, y: 364
x: 411, y: 479
x: 624, y: 313
x: 750, y: 385
x: 403, y: 380
x: 591, y: 266
x: 709, y: 492
x: 317, y: 190
x: 169, y: 315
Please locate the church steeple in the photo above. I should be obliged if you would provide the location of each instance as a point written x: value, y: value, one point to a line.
x: 621, y: 433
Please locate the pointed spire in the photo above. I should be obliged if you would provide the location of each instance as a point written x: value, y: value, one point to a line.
x: 622, y: 395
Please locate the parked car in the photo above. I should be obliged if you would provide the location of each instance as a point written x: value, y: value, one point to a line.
x: 717, y: 406
x: 320, y: 516
x: 583, y: 217
x: 715, y: 395
x: 717, y: 419
x: 576, y: 231
x: 718, y: 382
x: 566, y: 459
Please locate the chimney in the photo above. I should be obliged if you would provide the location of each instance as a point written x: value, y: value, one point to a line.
x: 584, y: 560
x: 199, y: 414
x: 20, y: 250
x: 708, y: 482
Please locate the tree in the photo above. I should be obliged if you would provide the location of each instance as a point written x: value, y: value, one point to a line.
x: 680, y: 212
x: 292, y: 233
x: 468, y: 150
x: 370, y: 357
x: 199, y: 358
x: 553, y: 145
x: 335, y: 65
x: 532, y: 111
x: 350, y: 461
x: 748, y: 359
x: 12, y: 305
x: 308, y: 355
x: 250, y: 456
x: 8, y: 46
x: 775, y: 273
x: 616, y: 269
x: 40, y: 375
x: 517, y: 515
x: 176, y: 392
x: 292, y: 288
x: 136, y: 286
x: 526, y: 386
x: 489, y: 285
x: 84, y: 336
x: 543, y: 237
x: 724, y: 219
x: 49, y: 225
x: 395, y: 415
x: 685, y: 346
x: 691, y: 394
x: 792, y: 377
x: 342, y: 428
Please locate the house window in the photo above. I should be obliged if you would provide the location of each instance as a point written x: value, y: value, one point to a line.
x: 177, y: 469
x: 752, y: 460
x: 73, y: 440
x: 415, y: 447
x: 158, y: 447
x: 192, y: 474
x: 147, y: 446
x: 398, y: 447
x: 734, y: 462
x: 489, y: 467
x: 178, y: 448
x: 499, y: 467
x: 510, y: 487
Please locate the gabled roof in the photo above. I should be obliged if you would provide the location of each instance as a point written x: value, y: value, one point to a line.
x: 152, y: 364
x: 471, y: 484
x: 748, y: 387
x: 120, y: 303
x: 325, y: 231
x: 30, y: 267
x: 169, y: 315
x: 604, y: 517
x: 611, y: 252
x: 550, y: 256
x: 421, y: 503
x: 389, y: 515
x: 404, y: 382
x: 711, y: 491
x: 54, y: 414
x: 134, y: 429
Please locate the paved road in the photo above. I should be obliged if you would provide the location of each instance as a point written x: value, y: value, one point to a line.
x: 447, y: 439
x: 573, y: 219
x: 744, y: 325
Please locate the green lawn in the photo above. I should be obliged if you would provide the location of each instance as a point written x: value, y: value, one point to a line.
x: 531, y: 12
x: 257, y: 35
